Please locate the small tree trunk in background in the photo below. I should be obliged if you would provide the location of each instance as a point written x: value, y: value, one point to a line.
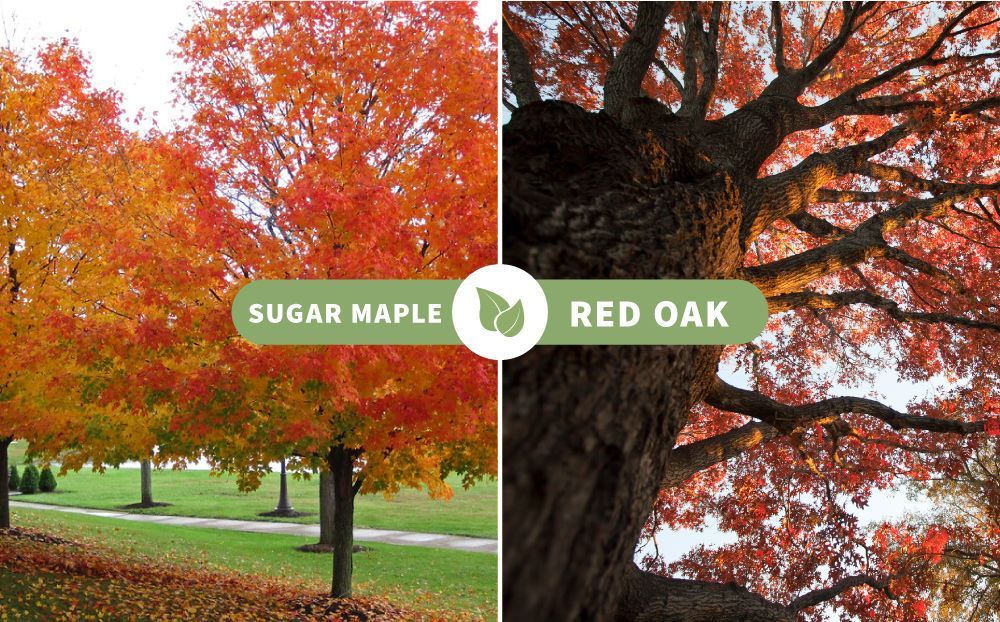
x: 4, y: 479
x: 341, y: 463
x: 146, y: 476
x: 283, y: 504
x: 326, y: 508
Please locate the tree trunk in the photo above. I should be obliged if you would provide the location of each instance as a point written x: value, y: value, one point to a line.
x: 4, y: 480
x: 341, y: 463
x: 326, y: 508
x: 588, y: 430
x: 283, y: 504
x: 146, y: 483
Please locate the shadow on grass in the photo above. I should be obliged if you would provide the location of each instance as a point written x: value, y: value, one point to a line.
x: 326, y: 548
x: 143, y: 506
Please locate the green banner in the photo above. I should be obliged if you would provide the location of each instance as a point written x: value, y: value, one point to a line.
x: 652, y: 312
x: 579, y: 312
x: 362, y: 312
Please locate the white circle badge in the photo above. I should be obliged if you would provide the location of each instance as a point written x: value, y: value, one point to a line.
x: 500, y: 312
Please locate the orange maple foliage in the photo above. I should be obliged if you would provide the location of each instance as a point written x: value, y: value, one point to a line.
x: 342, y: 141
x: 326, y: 141
x: 349, y: 142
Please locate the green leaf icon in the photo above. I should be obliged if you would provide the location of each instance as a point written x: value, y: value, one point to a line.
x: 496, y: 314
x: 490, y: 306
x: 511, y: 321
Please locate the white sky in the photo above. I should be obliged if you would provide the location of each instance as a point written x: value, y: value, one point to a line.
x: 128, y: 42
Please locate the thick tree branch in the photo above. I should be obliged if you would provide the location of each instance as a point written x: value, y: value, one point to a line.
x: 825, y: 195
x: 791, y: 191
x: 689, y: 94
x: 650, y: 597
x: 774, y: 418
x: 816, y: 597
x: 701, y: 55
x: 522, y: 75
x: 787, y: 418
x: 867, y: 241
x: 778, y: 38
x: 686, y: 460
x: 816, y: 300
x: 902, y: 176
x: 710, y: 64
x: 815, y: 226
x: 624, y: 78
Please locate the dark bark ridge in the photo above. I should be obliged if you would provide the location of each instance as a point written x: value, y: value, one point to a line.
x: 588, y: 198
x: 640, y: 191
x: 664, y: 599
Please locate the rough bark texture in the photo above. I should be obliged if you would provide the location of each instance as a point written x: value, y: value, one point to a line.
x: 341, y: 463
x: 624, y: 79
x: 521, y: 74
x: 652, y: 598
x: 689, y: 459
x: 586, y: 196
x: 4, y: 480
x: 146, y: 483
x: 326, y: 508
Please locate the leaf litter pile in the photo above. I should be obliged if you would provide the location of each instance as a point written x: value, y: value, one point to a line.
x: 45, y: 577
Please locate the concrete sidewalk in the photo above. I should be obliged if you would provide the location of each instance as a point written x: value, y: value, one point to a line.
x: 405, y: 538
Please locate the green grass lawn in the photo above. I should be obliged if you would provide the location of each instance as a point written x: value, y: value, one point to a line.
x: 471, y: 512
x: 421, y: 578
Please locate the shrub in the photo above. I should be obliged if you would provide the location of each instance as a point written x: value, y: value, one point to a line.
x: 15, y: 480
x: 29, y: 481
x: 47, y: 481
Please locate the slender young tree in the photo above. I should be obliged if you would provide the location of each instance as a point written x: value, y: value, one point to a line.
x: 146, y: 483
x: 840, y: 157
x: 5, y: 484
x: 57, y: 164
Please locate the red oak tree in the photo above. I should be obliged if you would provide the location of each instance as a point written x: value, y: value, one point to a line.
x: 841, y: 157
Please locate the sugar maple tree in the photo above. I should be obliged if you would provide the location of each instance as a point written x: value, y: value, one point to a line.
x: 841, y: 157
x: 325, y: 141
x: 352, y: 141
x: 60, y: 141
